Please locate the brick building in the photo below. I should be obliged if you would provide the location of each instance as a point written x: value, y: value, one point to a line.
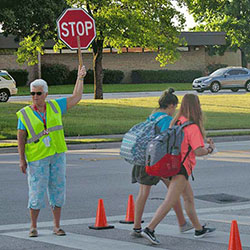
x: 192, y: 57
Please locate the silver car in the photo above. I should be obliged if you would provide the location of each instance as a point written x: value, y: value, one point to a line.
x: 233, y: 78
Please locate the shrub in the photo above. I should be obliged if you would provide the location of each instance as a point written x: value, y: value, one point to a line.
x: 55, y: 74
x: 164, y: 76
x: 110, y: 76
x: 89, y: 78
x: 20, y: 76
x: 71, y: 79
x: 212, y: 67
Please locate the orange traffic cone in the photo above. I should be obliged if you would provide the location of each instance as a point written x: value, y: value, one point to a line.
x: 234, y: 240
x: 101, y: 221
x: 130, y: 211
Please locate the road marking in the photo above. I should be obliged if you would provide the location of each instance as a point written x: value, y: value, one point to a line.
x: 79, y: 241
x: 91, y: 221
x: 170, y: 230
x: 101, y: 158
x: 227, y: 218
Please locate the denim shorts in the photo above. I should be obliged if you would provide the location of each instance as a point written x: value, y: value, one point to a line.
x: 47, y: 175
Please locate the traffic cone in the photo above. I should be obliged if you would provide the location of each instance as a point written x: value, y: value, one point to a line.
x: 101, y: 221
x: 234, y: 240
x: 130, y: 211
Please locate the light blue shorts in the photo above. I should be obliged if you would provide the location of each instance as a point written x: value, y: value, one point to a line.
x: 47, y: 175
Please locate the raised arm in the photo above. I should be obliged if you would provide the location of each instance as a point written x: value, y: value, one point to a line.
x: 77, y: 93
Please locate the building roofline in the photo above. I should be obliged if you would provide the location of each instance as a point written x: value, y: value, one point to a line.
x: 192, y: 39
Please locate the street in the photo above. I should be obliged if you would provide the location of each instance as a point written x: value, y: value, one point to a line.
x: 221, y: 189
x: 131, y: 95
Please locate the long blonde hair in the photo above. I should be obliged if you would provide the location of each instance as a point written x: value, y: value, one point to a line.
x: 191, y: 109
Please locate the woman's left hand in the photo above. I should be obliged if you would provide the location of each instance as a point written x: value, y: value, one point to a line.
x: 81, y: 72
x: 211, y: 143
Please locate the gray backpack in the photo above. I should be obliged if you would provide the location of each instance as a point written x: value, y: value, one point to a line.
x: 135, y: 141
x: 163, y: 153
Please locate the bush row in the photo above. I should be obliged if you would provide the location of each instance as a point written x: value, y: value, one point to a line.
x: 20, y: 76
x: 58, y: 74
x: 164, y: 76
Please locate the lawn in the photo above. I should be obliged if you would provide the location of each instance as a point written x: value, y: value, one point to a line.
x: 116, y: 116
x: 110, y: 88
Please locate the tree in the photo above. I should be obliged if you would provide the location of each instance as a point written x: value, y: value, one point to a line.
x: 130, y: 23
x: 153, y: 24
x: 231, y: 16
x: 32, y: 22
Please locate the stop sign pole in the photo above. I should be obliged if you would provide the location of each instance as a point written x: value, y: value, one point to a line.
x: 76, y: 29
x: 79, y: 52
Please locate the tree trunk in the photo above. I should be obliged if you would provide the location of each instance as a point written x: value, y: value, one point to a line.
x: 243, y: 58
x: 97, y: 68
x: 39, y: 65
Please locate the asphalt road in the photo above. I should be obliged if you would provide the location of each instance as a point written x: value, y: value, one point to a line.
x: 130, y: 95
x: 101, y: 173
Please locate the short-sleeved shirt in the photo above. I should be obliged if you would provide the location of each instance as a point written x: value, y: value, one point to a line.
x: 164, y: 123
x: 194, y: 138
x: 62, y: 102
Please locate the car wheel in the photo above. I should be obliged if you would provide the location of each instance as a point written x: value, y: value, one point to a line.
x: 247, y: 86
x: 215, y: 87
x: 235, y: 89
x: 4, y: 95
x: 200, y: 90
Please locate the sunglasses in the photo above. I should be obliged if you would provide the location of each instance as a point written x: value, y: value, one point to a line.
x: 36, y: 93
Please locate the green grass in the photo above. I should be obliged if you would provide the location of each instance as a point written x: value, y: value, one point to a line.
x: 116, y: 116
x: 110, y: 88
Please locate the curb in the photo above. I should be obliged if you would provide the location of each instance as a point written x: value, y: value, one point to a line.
x: 106, y: 145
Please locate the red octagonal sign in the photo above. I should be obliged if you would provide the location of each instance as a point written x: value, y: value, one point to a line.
x: 73, y: 23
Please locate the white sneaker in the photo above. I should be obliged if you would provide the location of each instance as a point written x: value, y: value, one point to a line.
x: 186, y: 227
x: 136, y: 232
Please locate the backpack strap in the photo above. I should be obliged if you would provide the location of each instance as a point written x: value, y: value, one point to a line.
x: 185, y: 124
x: 158, y: 118
x: 189, y: 150
x: 189, y: 147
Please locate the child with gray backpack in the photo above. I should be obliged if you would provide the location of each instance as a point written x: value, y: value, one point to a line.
x: 194, y: 135
x: 134, y: 151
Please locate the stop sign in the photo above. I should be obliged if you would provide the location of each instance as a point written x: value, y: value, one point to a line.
x: 76, y: 22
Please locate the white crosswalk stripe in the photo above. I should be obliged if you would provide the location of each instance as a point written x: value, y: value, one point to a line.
x: 78, y: 241
x: 81, y: 241
x: 170, y: 230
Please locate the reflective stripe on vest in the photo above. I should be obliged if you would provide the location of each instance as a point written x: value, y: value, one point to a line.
x: 34, y: 136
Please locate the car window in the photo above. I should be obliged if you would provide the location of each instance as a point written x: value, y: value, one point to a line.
x: 218, y: 72
x: 242, y: 72
x: 5, y: 76
x: 234, y: 72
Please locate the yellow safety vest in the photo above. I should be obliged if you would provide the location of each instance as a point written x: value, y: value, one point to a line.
x: 35, y: 148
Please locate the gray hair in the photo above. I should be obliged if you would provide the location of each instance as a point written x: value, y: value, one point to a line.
x: 39, y: 83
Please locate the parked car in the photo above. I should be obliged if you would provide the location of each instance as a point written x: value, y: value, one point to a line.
x: 233, y: 78
x: 7, y: 86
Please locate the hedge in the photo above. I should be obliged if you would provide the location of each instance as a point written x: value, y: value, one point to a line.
x: 110, y: 76
x: 20, y: 76
x: 164, y: 76
x: 55, y: 74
